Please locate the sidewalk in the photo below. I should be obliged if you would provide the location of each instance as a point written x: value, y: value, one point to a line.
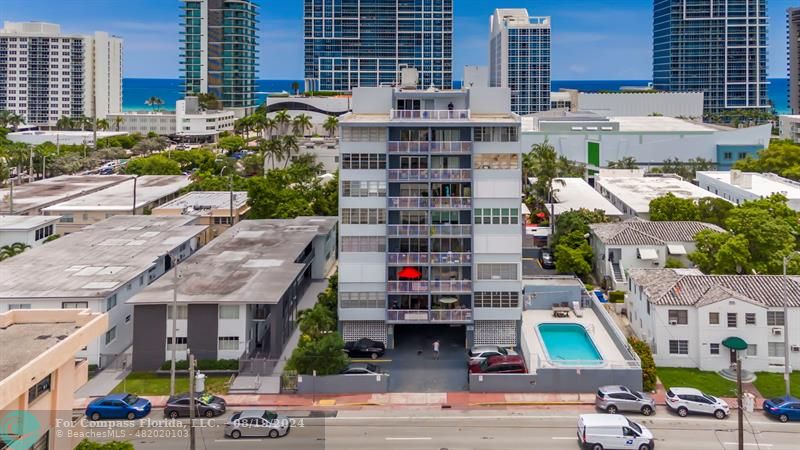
x: 102, y: 383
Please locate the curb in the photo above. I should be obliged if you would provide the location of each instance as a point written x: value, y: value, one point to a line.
x: 570, y: 403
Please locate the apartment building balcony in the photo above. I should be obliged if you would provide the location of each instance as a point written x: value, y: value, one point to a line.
x: 409, y: 202
x: 451, y: 286
x: 429, y: 316
x: 408, y: 315
x: 424, y: 147
x: 408, y: 174
x: 450, y: 258
x: 451, y: 315
x: 407, y: 286
x: 430, y: 114
x: 408, y: 258
x: 450, y: 174
x: 451, y: 202
x: 407, y: 230
x: 451, y: 230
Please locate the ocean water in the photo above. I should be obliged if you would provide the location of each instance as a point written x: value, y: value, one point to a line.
x: 135, y: 91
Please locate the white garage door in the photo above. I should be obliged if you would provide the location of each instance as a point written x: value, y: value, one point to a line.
x: 353, y: 330
x: 496, y: 332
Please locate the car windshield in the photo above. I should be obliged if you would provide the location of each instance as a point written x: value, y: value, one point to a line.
x: 502, y: 351
x: 710, y: 398
x: 130, y: 399
x: 208, y: 398
x: 484, y: 364
x: 670, y: 393
x: 635, y: 426
x: 235, y: 416
x: 372, y: 367
x: 269, y: 415
x: 637, y: 394
x: 777, y: 401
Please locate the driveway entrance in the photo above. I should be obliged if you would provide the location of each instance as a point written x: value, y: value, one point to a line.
x: 413, y: 368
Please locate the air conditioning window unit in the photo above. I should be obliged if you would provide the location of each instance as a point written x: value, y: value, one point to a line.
x: 796, y: 348
x: 673, y: 322
x: 777, y: 331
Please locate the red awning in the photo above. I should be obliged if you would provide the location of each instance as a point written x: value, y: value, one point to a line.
x: 410, y: 273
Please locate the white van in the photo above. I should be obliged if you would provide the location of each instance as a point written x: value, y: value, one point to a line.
x: 612, y: 432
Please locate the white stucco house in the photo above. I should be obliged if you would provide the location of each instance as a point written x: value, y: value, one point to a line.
x: 685, y: 316
x: 640, y: 244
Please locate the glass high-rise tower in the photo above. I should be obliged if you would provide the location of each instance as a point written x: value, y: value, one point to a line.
x: 220, y: 50
x: 719, y: 48
x: 352, y: 43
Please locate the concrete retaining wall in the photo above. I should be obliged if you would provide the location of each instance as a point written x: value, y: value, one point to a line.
x: 343, y: 384
x: 556, y: 380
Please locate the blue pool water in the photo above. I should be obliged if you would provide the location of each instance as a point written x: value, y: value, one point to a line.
x: 568, y: 344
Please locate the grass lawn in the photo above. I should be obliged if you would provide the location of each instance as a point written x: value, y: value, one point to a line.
x: 708, y: 382
x: 145, y: 383
x: 771, y: 385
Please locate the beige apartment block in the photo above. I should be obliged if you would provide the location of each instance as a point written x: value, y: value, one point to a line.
x: 216, y: 209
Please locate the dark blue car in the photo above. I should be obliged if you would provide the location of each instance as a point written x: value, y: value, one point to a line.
x: 784, y: 408
x: 118, y: 406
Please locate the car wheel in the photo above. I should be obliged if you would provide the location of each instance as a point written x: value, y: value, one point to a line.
x: 374, y: 356
x: 611, y: 409
x: 173, y: 414
x: 236, y: 434
x: 683, y: 412
x: 644, y: 447
x: 209, y: 413
x: 273, y: 433
x: 597, y: 447
x: 646, y: 410
x: 783, y: 418
x: 131, y: 416
x: 719, y: 414
x: 95, y: 416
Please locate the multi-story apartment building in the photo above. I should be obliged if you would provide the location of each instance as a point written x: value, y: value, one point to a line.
x: 793, y: 46
x: 519, y: 58
x: 430, y: 214
x: 719, y: 48
x: 352, y: 43
x: 220, y: 51
x: 46, y: 74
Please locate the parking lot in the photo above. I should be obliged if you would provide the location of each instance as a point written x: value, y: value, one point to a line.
x: 531, y: 266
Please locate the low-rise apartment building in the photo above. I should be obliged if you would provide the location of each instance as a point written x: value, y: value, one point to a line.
x: 574, y: 194
x: 217, y: 210
x: 639, y: 244
x: 29, y: 230
x: 135, y: 195
x: 685, y: 316
x: 238, y: 296
x: 738, y: 187
x: 99, y: 268
x: 40, y: 372
x: 29, y: 199
x: 187, y: 120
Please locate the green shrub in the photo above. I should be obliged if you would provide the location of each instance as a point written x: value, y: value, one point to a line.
x: 648, y: 364
x: 616, y: 297
x: 204, y: 364
x: 673, y: 263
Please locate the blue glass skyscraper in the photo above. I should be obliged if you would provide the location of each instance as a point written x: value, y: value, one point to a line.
x: 351, y: 43
x: 719, y: 48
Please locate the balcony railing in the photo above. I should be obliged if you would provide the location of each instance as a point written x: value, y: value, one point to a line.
x: 409, y: 202
x: 407, y: 286
x: 408, y: 258
x: 451, y: 230
x: 451, y: 315
x: 451, y: 258
x: 451, y: 202
x: 416, y: 147
x: 407, y: 315
x: 451, y: 174
x: 407, y: 230
x: 451, y: 286
x: 430, y: 114
x: 408, y: 174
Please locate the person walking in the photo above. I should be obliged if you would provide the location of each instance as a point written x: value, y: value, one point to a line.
x: 436, y: 349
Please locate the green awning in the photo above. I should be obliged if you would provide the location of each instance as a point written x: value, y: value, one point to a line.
x: 735, y: 343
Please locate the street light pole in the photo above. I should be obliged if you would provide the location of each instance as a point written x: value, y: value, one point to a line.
x: 230, y: 188
x: 786, y: 369
x: 174, y: 326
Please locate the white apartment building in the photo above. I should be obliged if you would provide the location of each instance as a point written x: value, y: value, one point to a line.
x: 430, y: 224
x: 46, y: 74
x: 790, y: 126
x: 685, y: 315
x: 738, y: 187
x: 188, y: 120
x: 634, y: 104
x: 29, y: 230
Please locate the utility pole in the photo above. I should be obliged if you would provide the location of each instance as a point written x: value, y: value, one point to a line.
x: 739, y: 399
x: 174, y: 327
x: 786, y: 369
x: 135, y: 179
x: 11, y: 194
x: 94, y: 115
x: 30, y: 165
x: 192, y: 412
x: 230, y: 185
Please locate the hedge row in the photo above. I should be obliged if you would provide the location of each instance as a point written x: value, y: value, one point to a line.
x: 204, y: 364
x: 648, y: 364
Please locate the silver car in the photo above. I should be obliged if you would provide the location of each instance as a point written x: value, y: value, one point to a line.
x: 612, y: 399
x: 685, y: 401
x: 257, y: 423
x: 480, y: 352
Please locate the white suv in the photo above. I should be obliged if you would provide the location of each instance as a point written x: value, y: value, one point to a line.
x: 689, y: 400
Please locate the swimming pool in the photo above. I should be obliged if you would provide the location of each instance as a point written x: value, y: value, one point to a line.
x: 568, y: 344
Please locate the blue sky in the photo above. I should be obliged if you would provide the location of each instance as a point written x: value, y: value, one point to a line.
x: 591, y: 40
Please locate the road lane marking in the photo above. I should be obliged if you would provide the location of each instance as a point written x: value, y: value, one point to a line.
x: 747, y: 444
x: 238, y: 440
x: 562, y: 438
x: 677, y: 420
x: 409, y: 438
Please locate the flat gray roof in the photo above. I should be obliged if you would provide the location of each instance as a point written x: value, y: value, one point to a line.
x: 25, y: 223
x: 637, y: 192
x: 95, y: 261
x: 149, y: 188
x: 203, y: 203
x: 43, y: 193
x: 575, y: 194
x: 252, y: 262
x: 23, y: 342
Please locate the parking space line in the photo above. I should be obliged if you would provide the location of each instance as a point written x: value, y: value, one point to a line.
x: 371, y: 360
x: 409, y: 438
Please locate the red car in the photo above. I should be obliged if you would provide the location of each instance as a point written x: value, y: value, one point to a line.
x: 500, y: 364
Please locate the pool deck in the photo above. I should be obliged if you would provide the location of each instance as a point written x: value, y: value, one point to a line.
x: 532, y: 347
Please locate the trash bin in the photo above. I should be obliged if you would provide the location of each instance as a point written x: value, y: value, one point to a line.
x: 748, y: 402
x: 200, y: 382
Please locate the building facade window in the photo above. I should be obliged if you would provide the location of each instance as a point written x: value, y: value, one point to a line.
x: 776, y: 349
x: 363, y: 216
x: 363, y: 244
x: 12, y: 306
x: 222, y: 220
x: 362, y: 300
x: 110, y: 335
x: 496, y: 134
x: 502, y: 161
x: 496, y: 216
x: 364, y: 161
x: 39, y: 389
x: 182, y: 343
x: 750, y: 318
x: 111, y: 302
x: 713, y: 318
x: 678, y: 347
x: 678, y: 316
x: 228, y: 343
x: 44, y: 232
x: 498, y: 272
x: 182, y: 312
x: 752, y: 350
x: 363, y: 189
x: 775, y: 318
x: 74, y: 305
x: 363, y: 134
x: 496, y: 300
x: 732, y: 319
x: 713, y: 349
x: 229, y: 312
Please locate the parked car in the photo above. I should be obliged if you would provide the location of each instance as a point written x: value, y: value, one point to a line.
x: 362, y: 369
x: 118, y: 406
x: 612, y: 432
x: 365, y: 347
x: 257, y: 423
x: 499, y: 364
x: 612, y: 399
x: 546, y: 259
x: 784, y: 408
x: 480, y: 352
x: 685, y: 400
x: 205, y: 405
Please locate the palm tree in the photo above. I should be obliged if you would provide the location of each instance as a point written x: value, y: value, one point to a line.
x: 102, y: 124
x: 268, y: 126
x: 300, y: 124
x: 244, y: 125
x: 154, y: 102
x: 628, y: 162
x: 272, y: 150
x: 282, y: 121
x: 289, y: 145
x: 330, y: 125
x: 117, y: 121
x: 296, y: 87
x: 64, y: 123
x: 9, y: 119
x: 7, y: 251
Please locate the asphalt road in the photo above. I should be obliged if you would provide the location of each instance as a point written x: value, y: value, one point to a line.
x: 423, y: 428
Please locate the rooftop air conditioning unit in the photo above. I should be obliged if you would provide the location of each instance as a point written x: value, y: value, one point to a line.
x: 777, y: 331
x: 673, y: 322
